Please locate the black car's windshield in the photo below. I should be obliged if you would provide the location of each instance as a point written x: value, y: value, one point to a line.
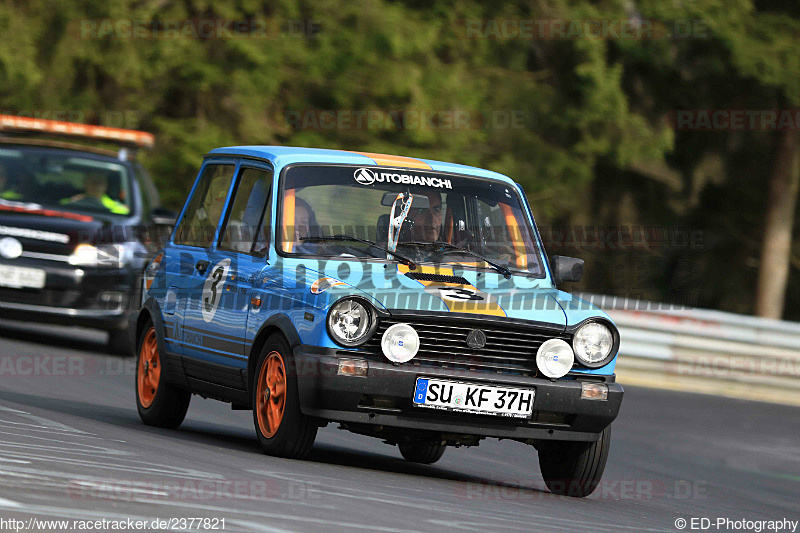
x: 64, y: 180
x: 402, y: 210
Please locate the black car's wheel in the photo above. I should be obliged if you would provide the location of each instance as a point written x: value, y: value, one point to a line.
x: 574, y: 468
x: 424, y: 453
x: 119, y: 343
x: 159, y: 403
x: 282, y: 429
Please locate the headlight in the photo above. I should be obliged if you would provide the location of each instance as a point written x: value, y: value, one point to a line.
x: 350, y: 322
x: 554, y: 358
x: 104, y: 255
x: 400, y: 343
x: 593, y: 343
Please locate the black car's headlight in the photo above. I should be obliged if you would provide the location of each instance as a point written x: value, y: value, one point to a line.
x: 102, y: 255
x: 351, y: 321
x: 593, y: 344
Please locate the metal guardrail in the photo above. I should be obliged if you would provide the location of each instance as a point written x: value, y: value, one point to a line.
x: 706, y: 344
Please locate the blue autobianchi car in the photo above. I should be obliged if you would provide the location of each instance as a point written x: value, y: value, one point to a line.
x: 405, y: 299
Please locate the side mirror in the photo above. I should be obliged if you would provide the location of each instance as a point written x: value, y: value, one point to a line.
x: 566, y: 269
x: 162, y: 216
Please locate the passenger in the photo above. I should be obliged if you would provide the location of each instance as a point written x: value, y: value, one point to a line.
x: 95, y: 185
x: 6, y: 191
x: 305, y: 225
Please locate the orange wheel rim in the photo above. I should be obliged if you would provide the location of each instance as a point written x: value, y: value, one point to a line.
x: 271, y: 394
x: 149, y: 369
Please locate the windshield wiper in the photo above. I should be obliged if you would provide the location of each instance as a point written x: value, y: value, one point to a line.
x: 447, y: 248
x: 406, y: 261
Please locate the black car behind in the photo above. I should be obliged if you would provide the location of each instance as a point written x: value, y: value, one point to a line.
x: 77, y: 225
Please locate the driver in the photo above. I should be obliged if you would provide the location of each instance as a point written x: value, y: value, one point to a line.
x: 95, y: 185
x: 428, y: 221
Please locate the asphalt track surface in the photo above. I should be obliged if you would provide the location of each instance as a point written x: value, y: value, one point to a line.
x: 72, y: 447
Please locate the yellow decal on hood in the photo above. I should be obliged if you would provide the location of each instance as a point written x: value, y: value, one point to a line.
x: 458, y: 298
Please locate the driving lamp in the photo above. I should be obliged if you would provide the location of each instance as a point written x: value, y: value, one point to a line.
x: 400, y: 343
x: 554, y: 358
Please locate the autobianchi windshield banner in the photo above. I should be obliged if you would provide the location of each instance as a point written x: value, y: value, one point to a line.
x: 367, y: 176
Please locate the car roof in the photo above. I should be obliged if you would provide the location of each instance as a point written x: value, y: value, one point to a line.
x: 285, y: 155
x: 26, y: 142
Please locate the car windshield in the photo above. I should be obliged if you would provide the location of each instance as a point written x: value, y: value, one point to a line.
x: 64, y: 180
x: 426, y: 216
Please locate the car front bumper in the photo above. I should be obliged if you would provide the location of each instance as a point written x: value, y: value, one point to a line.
x: 383, y: 399
x: 82, y: 296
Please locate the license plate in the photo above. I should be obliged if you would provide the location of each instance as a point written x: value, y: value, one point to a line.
x: 473, y: 398
x: 20, y: 277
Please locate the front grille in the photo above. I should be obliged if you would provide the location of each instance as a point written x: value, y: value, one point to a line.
x: 509, y: 349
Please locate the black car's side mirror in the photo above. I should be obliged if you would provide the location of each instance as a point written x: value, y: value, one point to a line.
x: 163, y: 216
x: 566, y: 268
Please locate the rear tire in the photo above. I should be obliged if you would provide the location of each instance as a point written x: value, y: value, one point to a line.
x: 119, y: 343
x: 159, y: 403
x: 574, y: 468
x: 422, y: 453
x: 282, y: 429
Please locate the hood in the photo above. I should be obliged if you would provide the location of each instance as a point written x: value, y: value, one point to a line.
x: 49, y: 231
x: 454, y: 290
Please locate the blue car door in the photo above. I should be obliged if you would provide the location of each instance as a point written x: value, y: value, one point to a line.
x: 187, y: 253
x: 219, y: 299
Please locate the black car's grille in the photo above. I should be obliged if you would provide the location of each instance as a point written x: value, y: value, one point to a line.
x: 443, y: 343
x: 45, y: 297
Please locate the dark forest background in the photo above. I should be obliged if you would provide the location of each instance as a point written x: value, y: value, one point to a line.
x: 589, y: 122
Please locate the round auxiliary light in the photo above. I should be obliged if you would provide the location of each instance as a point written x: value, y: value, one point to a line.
x: 554, y: 358
x: 593, y: 343
x: 400, y: 343
x: 349, y: 322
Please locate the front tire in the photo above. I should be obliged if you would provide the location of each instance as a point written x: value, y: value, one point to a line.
x: 159, y: 403
x: 282, y: 429
x: 574, y: 468
x: 423, y: 453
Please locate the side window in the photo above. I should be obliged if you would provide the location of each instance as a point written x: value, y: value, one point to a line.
x: 205, y: 208
x: 245, y: 230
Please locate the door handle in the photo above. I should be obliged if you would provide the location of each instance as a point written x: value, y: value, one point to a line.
x: 201, y: 266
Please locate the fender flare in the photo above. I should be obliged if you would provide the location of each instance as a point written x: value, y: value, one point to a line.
x: 279, y: 322
x: 153, y: 309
